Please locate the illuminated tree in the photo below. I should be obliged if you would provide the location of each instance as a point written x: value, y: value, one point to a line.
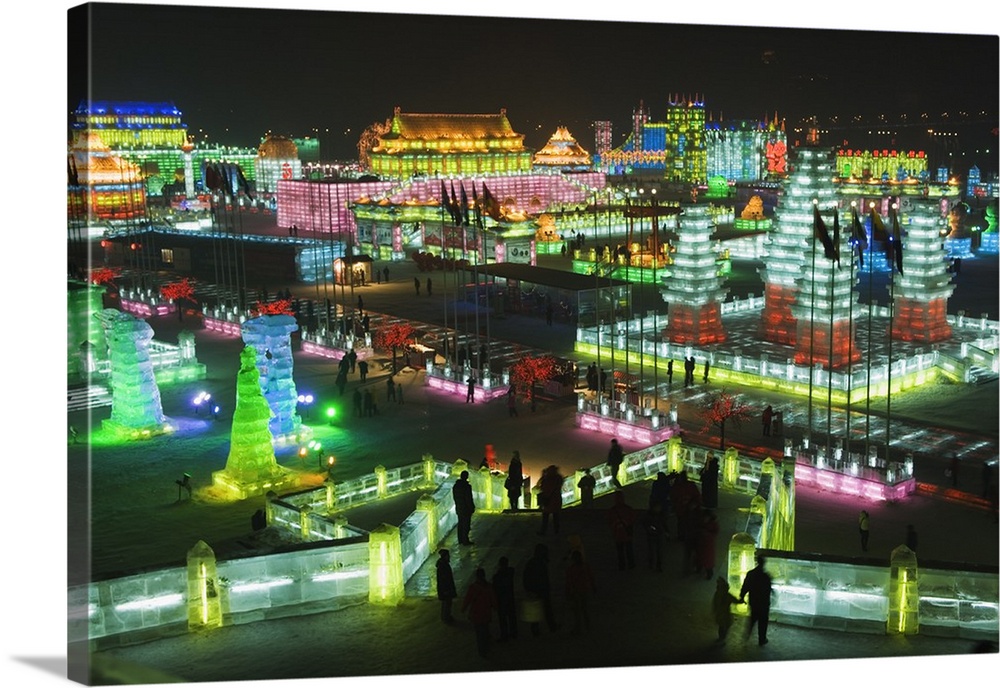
x: 178, y: 291
x: 529, y: 370
x: 369, y: 139
x: 721, y: 407
x: 393, y: 337
x: 278, y: 307
x: 104, y: 277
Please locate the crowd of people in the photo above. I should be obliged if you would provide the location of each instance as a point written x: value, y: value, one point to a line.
x: 679, y: 509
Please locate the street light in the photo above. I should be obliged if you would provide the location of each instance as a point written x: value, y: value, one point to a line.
x: 305, y: 400
x: 202, y: 397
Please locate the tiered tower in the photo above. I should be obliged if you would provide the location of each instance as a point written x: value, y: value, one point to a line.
x: 136, y: 411
x: 921, y: 292
x: 810, y: 178
x: 823, y: 305
x: 270, y: 336
x: 693, y: 288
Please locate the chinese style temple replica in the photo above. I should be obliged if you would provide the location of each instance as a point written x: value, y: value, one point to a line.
x: 448, y: 144
x: 562, y: 152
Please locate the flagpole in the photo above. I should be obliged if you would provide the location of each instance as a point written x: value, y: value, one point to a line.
x: 829, y: 375
x: 892, y: 308
x: 812, y: 318
x: 850, y: 332
x: 871, y: 302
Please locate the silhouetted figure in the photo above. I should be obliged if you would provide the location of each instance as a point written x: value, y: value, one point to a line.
x: 550, y: 498
x: 184, y: 486
x: 704, y: 376
x: 615, y: 458
x: 503, y: 587
x: 390, y: 390
x: 722, y: 610
x: 765, y: 420
x: 515, y: 481
x: 953, y: 465
x: 670, y: 372
x: 621, y: 518
x: 446, y: 590
x: 538, y: 591
x: 511, y: 402
x: 863, y: 525
x: 363, y: 370
x: 461, y: 493
x: 429, y: 286
x: 470, y: 391
x: 369, y: 404
x: 579, y: 588
x: 757, y: 584
x: 654, y: 522
x: 358, y: 411
x: 385, y: 273
x: 710, y: 482
x: 416, y: 285
x: 479, y: 603
x: 587, y: 483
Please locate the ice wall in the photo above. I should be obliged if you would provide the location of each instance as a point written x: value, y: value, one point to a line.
x: 135, y: 396
x: 270, y: 335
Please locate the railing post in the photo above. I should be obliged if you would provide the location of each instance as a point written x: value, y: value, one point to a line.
x: 741, y: 558
x: 427, y: 504
x: 204, y: 603
x: 380, y: 481
x: 304, y: 512
x: 730, y: 467
x: 385, y: 566
x: 904, y: 594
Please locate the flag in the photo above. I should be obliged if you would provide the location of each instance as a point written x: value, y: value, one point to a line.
x: 242, y: 183
x: 74, y: 176
x: 836, y: 237
x: 212, y: 177
x: 897, y: 242
x: 444, y: 198
x: 476, y: 207
x: 823, y: 234
x: 880, y: 233
x: 456, y: 211
x: 490, y: 205
x: 858, y: 237
x: 465, y: 205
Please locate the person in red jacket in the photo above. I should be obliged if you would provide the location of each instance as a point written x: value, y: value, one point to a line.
x: 706, y: 544
x: 479, y: 603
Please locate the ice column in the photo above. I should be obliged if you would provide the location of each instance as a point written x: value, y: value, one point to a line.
x: 270, y: 335
x: 135, y: 400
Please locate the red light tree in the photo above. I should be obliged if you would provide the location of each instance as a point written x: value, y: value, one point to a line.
x: 528, y: 371
x: 104, y: 276
x: 393, y: 337
x: 178, y: 291
x: 721, y: 407
x: 277, y: 307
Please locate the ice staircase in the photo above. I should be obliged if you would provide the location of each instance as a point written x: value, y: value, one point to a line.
x: 981, y: 375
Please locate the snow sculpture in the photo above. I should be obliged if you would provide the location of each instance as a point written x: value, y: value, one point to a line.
x: 136, y: 410
x: 270, y: 335
x: 251, y: 468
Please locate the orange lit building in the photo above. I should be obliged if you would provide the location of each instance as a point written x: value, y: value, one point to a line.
x: 562, y: 152
x: 102, y: 186
x: 443, y: 144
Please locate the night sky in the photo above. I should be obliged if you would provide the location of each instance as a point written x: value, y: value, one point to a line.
x: 239, y: 72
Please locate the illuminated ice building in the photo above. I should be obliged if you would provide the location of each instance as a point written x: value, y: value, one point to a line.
x: 277, y: 158
x: 154, y: 137
x: 562, y: 152
x: 446, y: 144
x: 102, y: 185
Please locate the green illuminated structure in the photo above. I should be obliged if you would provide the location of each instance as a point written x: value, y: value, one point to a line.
x: 136, y: 411
x: 85, y: 340
x: 251, y: 468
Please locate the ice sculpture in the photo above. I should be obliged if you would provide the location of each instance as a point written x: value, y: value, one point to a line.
x: 270, y: 335
x: 136, y: 410
x: 251, y: 468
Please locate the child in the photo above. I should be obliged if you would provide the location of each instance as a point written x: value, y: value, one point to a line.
x: 722, y: 603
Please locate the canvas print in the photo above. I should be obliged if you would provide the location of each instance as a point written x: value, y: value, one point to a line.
x: 423, y: 344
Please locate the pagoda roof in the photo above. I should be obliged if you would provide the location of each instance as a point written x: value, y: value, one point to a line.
x: 562, y: 149
x: 423, y: 126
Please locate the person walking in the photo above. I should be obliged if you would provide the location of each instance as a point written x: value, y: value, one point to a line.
x: 615, y: 458
x: 704, y: 376
x: 361, y: 304
x: 352, y: 358
x: 363, y: 370
x: 538, y: 591
x: 428, y: 286
x: 515, y: 480
x: 550, y: 498
x: 416, y: 285
x: 654, y: 522
x: 587, y: 483
x: 511, y: 402
x: 465, y: 506
x: 579, y: 588
x: 470, y: 391
x: 766, y: 419
x: 385, y: 274
x: 369, y: 404
x: 757, y: 585
x: 621, y: 518
x: 722, y: 607
x: 390, y: 390
x: 670, y: 373
x: 503, y: 588
x: 911, y: 538
x: 710, y: 482
x: 863, y: 525
x: 446, y: 590
x: 357, y: 403
x: 479, y: 603
x: 399, y: 392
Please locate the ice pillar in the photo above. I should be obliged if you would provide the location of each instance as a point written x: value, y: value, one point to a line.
x: 135, y: 402
x: 270, y: 335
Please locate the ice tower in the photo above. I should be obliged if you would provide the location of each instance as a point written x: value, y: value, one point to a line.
x: 810, y: 178
x: 825, y: 299
x: 921, y: 292
x: 693, y: 288
x: 86, y: 342
x: 136, y: 411
x: 251, y: 468
x: 270, y: 335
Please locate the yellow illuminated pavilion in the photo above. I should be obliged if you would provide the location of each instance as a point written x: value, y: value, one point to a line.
x: 562, y: 151
x: 448, y: 144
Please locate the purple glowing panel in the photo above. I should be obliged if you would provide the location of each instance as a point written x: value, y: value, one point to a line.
x: 623, y: 430
x: 223, y: 326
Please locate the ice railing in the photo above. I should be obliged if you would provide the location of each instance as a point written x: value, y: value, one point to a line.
x: 339, y: 565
